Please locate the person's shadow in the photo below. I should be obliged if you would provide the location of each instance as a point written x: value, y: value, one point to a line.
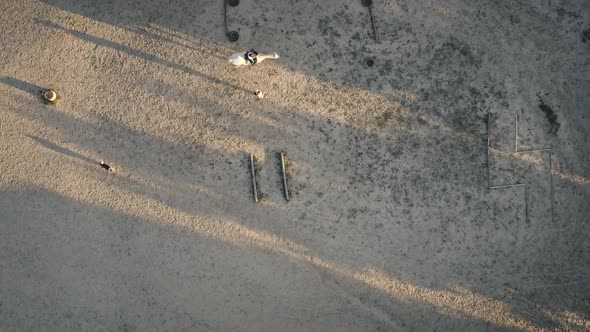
x: 59, y: 149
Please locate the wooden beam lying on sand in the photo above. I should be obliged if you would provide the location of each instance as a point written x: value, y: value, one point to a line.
x: 253, y: 172
x: 284, y: 173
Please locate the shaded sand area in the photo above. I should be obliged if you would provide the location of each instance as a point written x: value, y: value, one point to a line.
x: 391, y: 224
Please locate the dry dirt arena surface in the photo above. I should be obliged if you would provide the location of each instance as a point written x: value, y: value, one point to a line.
x: 391, y: 224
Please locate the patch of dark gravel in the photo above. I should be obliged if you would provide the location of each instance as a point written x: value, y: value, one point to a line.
x: 551, y: 117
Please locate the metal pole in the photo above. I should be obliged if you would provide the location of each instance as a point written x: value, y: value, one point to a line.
x: 253, y: 178
x: 534, y: 150
x: 285, y: 188
x: 373, y: 24
x: 551, y: 183
x: 488, y: 150
x: 225, y: 16
x: 515, y: 132
x: 508, y: 186
x: 526, y: 204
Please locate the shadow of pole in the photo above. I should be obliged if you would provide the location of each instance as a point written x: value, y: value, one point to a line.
x: 140, y: 54
x: 61, y: 150
x: 22, y: 85
x: 167, y: 37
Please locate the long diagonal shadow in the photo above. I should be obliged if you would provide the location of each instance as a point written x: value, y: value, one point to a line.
x: 167, y: 37
x: 59, y: 149
x: 22, y: 85
x: 140, y: 54
x: 138, y: 236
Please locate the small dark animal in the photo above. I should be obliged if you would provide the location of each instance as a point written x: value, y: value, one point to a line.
x: 107, y: 167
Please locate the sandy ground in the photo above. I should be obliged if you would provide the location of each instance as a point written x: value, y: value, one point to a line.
x: 391, y: 224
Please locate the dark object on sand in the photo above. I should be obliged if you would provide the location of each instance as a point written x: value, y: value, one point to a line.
x: 367, y: 3
x: 233, y: 36
x: 107, y: 167
x: 550, y: 116
x: 369, y: 62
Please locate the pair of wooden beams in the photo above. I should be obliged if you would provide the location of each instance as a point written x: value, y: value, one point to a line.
x: 281, y: 156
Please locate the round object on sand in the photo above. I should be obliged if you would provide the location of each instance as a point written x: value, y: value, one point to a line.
x: 234, y: 3
x: 367, y: 3
x: 369, y: 62
x: 259, y: 94
x: 50, y: 95
x: 233, y: 36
